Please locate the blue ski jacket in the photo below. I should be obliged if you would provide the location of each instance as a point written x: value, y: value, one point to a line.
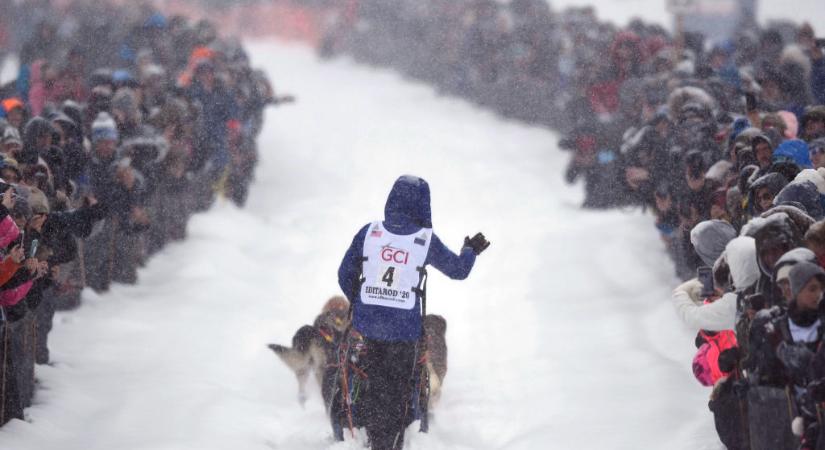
x: 407, y: 211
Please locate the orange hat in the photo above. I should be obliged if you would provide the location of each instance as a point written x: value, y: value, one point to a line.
x: 12, y: 103
x: 202, y: 53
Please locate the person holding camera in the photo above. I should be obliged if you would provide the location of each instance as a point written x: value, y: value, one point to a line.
x: 383, y: 274
x: 784, y: 341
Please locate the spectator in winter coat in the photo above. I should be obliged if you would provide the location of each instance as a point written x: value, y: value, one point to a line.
x: 740, y: 255
x: 812, y: 123
x: 122, y: 189
x: 804, y: 194
x: 783, y: 342
x: 794, y: 151
x: 37, y: 139
x: 763, y: 149
x: 698, y: 188
x: 11, y: 143
x: 71, y: 81
x: 815, y: 241
x: 763, y: 191
x: 43, y: 90
x: 15, y: 111
x: 709, y: 239
x: 387, y: 305
x: 783, y: 267
x: 58, y: 233
x: 218, y: 114
x: 687, y: 261
x: 667, y: 218
x: 817, y: 151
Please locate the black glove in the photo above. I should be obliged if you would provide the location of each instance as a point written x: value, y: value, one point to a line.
x: 478, y: 243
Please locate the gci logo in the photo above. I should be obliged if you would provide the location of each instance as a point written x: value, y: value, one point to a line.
x: 395, y: 255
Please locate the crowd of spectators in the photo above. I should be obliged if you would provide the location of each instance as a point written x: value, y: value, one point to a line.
x: 120, y: 124
x: 723, y: 142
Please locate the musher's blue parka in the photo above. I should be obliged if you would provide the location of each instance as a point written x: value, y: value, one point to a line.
x: 407, y: 211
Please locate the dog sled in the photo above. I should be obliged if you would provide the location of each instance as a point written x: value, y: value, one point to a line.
x: 346, y: 382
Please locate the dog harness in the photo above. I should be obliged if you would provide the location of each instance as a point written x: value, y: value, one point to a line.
x: 393, y: 267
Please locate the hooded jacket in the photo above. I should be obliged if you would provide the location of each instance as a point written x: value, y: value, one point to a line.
x: 721, y: 314
x: 796, y: 151
x: 709, y: 239
x: 406, y: 212
x: 773, y: 181
x: 804, y: 193
x: 35, y: 128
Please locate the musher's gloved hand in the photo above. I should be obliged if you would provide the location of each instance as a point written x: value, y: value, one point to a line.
x: 478, y: 243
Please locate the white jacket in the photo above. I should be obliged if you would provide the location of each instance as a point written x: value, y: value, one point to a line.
x: 717, y: 316
x: 740, y: 254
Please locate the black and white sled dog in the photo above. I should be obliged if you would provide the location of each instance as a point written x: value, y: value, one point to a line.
x: 314, y: 346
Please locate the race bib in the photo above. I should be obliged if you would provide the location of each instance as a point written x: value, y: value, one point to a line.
x: 391, y: 270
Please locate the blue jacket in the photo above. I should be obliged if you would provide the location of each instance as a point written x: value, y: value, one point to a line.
x: 406, y: 212
x: 818, y: 81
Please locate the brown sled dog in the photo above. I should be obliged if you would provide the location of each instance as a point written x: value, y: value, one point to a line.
x: 435, y: 330
x: 313, y: 346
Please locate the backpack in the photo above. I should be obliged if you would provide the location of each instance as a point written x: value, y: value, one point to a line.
x: 706, y: 361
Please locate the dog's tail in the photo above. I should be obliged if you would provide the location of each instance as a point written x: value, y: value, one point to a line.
x: 278, y: 349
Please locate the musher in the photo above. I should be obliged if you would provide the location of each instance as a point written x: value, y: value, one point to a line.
x: 383, y: 274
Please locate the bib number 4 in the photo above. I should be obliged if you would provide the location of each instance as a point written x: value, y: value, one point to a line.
x: 388, y: 276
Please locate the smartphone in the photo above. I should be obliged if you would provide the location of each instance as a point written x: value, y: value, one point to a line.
x: 33, y: 248
x: 750, y: 102
x: 705, y: 276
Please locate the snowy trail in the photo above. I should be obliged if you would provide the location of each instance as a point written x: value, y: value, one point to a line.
x: 563, y: 336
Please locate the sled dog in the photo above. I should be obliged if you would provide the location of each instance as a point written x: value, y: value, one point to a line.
x: 314, y: 345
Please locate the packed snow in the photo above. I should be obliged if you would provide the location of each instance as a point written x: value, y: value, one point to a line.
x: 563, y: 336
